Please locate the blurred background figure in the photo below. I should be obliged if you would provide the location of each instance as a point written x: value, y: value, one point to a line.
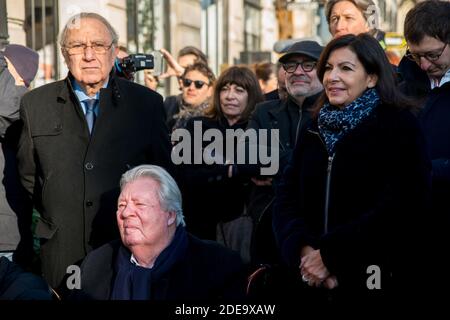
x: 197, y: 87
x: 266, y: 73
x: 151, y: 81
x: 353, y: 17
x: 18, y: 67
x: 282, y: 91
x: 123, y: 52
x: 393, y: 57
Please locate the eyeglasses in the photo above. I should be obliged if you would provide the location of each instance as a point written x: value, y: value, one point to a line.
x: 79, y: 48
x: 198, y: 83
x: 430, y: 56
x: 307, y: 66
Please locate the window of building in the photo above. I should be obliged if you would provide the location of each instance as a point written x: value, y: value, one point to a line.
x: 252, y: 26
x: 41, y: 29
x: 144, y: 28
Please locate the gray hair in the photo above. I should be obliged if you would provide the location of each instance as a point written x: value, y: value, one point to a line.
x: 74, y: 22
x: 368, y: 9
x: 169, y: 194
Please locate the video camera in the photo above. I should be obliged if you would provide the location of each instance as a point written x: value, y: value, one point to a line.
x: 127, y: 66
x: 132, y: 63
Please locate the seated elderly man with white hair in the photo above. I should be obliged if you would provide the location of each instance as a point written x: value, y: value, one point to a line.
x: 157, y: 259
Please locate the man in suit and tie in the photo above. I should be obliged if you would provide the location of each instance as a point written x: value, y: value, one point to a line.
x: 79, y: 136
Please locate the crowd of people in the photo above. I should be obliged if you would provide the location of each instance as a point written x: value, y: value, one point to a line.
x: 362, y: 151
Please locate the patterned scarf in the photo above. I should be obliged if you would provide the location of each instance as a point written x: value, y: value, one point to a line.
x: 335, y: 123
x: 187, y: 112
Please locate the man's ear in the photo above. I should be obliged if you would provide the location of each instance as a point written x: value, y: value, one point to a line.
x: 172, y: 218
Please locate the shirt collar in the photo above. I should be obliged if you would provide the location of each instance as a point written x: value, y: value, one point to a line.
x: 444, y: 79
x: 81, y: 95
x: 135, y: 262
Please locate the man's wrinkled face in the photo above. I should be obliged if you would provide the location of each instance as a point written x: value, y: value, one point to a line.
x: 141, y: 220
x: 89, y: 67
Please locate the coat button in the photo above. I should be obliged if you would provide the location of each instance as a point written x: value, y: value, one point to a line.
x: 89, y: 203
x: 89, y: 166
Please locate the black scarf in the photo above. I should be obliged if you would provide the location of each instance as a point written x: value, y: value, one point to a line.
x: 133, y: 282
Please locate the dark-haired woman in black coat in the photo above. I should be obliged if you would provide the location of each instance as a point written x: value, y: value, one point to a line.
x: 348, y: 207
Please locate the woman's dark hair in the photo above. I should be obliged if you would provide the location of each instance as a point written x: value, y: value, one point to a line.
x: 242, y: 77
x: 203, y: 69
x: 429, y: 18
x: 374, y: 60
x: 200, y: 56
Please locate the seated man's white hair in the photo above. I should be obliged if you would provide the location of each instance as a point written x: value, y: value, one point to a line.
x: 169, y: 194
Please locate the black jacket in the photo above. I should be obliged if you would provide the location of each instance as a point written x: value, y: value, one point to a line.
x: 209, y: 196
x: 379, y: 184
x: 285, y: 116
x: 206, y: 272
x: 16, y: 284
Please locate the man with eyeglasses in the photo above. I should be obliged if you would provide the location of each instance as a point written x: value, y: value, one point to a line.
x: 426, y: 77
x: 287, y: 115
x: 79, y: 136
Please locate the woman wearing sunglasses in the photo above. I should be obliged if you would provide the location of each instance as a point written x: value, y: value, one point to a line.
x: 211, y: 193
x: 197, y: 86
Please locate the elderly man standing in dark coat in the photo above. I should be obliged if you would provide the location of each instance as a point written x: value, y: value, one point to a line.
x: 79, y: 135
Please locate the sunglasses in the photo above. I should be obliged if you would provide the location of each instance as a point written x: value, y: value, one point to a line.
x: 198, y: 83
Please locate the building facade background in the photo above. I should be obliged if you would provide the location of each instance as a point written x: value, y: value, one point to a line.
x: 228, y: 31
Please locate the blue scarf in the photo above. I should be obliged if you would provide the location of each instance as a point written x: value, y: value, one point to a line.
x: 335, y: 123
x: 133, y: 282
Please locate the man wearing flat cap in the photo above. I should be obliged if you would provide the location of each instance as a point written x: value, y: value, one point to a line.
x: 288, y: 116
x: 18, y: 67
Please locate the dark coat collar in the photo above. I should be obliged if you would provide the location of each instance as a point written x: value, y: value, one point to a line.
x: 66, y: 93
x: 290, y: 102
